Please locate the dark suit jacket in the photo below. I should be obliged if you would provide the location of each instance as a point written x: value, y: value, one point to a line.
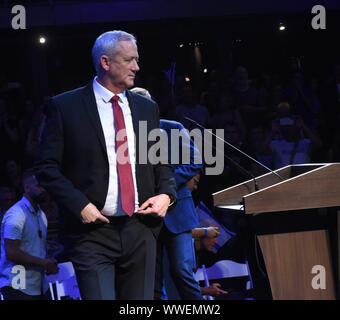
x: 183, y: 217
x: 72, y: 162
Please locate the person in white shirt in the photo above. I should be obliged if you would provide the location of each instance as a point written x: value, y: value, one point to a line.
x: 23, y: 246
x: 290, y: 142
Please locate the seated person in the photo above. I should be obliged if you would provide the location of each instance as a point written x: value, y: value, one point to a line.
x: 206, y: 237
x: 205, y: 255
x: 213, y: 289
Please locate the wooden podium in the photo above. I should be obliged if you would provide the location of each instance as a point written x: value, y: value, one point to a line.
x: 299, y: 258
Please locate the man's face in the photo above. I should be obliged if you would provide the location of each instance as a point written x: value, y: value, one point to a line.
x: 34, y: 190
x: 123, y: 66
x: 193, y: 183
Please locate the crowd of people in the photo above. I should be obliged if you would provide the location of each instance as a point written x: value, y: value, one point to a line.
x: 277, y: 120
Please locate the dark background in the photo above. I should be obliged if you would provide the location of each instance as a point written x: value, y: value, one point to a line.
x: 228, y: 35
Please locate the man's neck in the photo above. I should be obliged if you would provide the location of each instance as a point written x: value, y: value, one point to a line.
x: 106, y: 83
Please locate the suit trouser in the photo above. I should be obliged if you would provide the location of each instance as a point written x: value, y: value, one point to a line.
x: 181, y: 257
x: 116, y: 261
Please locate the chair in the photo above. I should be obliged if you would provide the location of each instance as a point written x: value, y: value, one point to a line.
x: 223, y: 269
x: 64, y: 281
x: 206, y: 283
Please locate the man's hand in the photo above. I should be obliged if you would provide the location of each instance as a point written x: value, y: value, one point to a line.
x: 90, y: 214
x: 51, y: 266
x: 213, y: 290
x: 157, y: 205
x: 213, y: 232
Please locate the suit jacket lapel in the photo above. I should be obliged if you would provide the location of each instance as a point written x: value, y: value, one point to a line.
x: 92, y: 111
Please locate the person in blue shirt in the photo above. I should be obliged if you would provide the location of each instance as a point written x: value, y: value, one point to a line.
x: 176, y: 234
x: 23, y: 261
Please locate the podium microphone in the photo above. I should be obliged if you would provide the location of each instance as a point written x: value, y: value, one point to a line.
x: 240, y: 151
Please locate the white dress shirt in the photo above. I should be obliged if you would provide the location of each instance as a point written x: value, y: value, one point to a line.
x: 105, y: 109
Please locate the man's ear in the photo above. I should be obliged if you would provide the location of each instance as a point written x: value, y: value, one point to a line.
x: 105, y: 62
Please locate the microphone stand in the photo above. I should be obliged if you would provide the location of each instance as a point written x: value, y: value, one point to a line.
x: 240, y: 151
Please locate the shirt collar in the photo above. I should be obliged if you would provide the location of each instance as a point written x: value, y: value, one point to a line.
x: 104, y: 93
x: 28, y: 205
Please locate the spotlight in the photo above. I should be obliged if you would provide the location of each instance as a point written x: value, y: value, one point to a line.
x: 205, y: 70
x: 187, y: 79
x: 181, y: 45
x: 42, y: 40
x: 282, y: 27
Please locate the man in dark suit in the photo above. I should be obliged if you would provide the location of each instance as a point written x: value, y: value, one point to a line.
x: 112, y: 202
x: 176, y: 234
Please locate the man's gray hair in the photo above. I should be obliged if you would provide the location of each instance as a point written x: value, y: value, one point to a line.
x: 107, y: 44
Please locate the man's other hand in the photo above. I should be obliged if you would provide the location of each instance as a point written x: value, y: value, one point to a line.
x: 51, y: 266
x: 91, y: 214
x: 157, y: 205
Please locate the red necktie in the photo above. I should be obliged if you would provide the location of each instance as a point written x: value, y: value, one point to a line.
x: 127, y: 192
